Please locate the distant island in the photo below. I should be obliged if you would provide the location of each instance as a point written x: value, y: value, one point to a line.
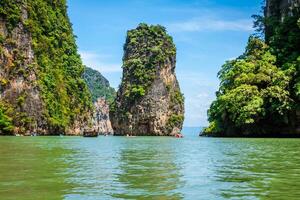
x: 98, y: 85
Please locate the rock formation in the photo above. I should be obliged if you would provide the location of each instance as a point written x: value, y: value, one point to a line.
x: 281, y: 8
x: 100, y: 124
x: 41, y: 89
x: 149, y: 101
x: 102, y: 95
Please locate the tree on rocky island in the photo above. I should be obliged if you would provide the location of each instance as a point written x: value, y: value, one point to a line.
x: 268, y: 104
x: 253, y: 98
x: 149, y: 101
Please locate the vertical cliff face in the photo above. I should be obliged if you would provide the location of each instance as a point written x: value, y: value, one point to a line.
x: 276, y: 13
x: 40, y: 70
x: 101, y: 123
x: 102, y: 95
x: 20, y: 96
x: 281, y: 8
x: 149, y: 101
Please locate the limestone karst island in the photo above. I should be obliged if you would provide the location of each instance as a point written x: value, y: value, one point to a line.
x: 216, y: 82
x: 149, y: 101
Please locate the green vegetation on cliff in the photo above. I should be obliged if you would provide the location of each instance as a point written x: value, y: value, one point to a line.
x: 260, y: 91
x: 63, y: 90
x: 6, y: 125
x: 149, y: 46
x: 253, y: 92
x: 149, y: 101
x: 57, y: 64
x: 284, y: 40
x: 12, y: 12
x: 98, y: 85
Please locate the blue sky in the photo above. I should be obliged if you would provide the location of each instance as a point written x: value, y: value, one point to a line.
x: 206, y: 34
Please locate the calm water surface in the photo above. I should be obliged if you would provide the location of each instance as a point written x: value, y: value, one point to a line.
x: 149, y: 168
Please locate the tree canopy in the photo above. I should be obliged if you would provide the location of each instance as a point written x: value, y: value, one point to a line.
x: 260, y: 90
x: 252, y: 91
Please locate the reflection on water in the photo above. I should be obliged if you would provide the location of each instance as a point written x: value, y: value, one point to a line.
x: 33, y: 170
x: 148, y: 171
x: 149, y: 168
x: 260, y: 169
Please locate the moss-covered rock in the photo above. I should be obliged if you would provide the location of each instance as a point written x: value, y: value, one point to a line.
x: 149, y: 101
x: 41, y: 71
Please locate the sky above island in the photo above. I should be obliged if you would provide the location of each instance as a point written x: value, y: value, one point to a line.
x: 206, y: 34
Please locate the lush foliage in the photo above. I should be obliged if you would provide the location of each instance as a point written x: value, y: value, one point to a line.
x: 261, y: 89
x: 283, y: 36
x: 174, y: 121
x: 6, y: 125
x: 57, y: 64
x: 98, y: 85
x: 253, y: 91
x: 177, y: 97
x: 148, y: 47
x: 282, y: 33
x: 64, y: 91
x: 12, y: 12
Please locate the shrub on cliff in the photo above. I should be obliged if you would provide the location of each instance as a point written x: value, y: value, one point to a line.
x: 6, y: 125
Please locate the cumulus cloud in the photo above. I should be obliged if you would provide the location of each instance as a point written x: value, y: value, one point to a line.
x: 95, y: 61
x: 211, y: 24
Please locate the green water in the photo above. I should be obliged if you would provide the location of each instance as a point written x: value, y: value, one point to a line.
x: 149, y: 168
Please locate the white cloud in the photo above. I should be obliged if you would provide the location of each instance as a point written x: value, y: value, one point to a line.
x: 211, y: 24
x: 202, y: 95
x: 95, y: 61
